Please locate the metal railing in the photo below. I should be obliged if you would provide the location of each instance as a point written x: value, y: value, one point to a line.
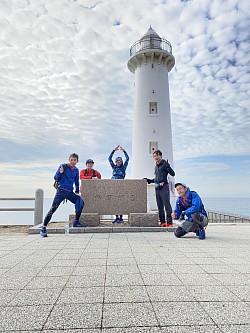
x: 220, y: 217
x: 151, y: 42
x: 37, y: 209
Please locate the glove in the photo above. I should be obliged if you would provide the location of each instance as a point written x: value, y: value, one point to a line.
x: 182, y: 216
x: 148, y: 180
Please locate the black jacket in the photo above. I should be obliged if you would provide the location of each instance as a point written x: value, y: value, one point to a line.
x: 161, y: 172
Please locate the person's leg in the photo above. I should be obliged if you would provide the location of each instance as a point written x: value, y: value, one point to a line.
x: 79, y: 204
x: 179, y: 232
x: 121, y: 219
x: 116, y: 220
x: 165, y: 195
x: 160, y: 206
x: 59, y: 197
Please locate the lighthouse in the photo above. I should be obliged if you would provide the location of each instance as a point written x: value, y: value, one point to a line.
x: 150, y: 60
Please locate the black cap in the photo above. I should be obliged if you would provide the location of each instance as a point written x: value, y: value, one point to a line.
x: 89, y: 161
x: 182, y: 184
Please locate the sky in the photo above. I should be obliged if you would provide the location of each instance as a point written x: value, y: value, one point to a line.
x: 65, y: 87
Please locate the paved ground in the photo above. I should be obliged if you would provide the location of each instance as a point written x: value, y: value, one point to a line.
x: 126, y: 282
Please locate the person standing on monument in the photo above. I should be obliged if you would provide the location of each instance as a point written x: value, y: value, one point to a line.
x: 189, y: 204
x: 162, y: 169
x: 67, y: 176
x: 119, y: 171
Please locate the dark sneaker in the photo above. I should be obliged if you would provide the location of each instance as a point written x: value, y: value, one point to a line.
x: 77, y: 224
x: 43, y: 232
x: 120, y: 220
x: 202, y: 234
x: 116, y: 220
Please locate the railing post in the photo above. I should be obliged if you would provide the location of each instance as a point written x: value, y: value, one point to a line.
x: 38, y: 212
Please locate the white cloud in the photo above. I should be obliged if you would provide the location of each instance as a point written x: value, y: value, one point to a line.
x: 65, y: 85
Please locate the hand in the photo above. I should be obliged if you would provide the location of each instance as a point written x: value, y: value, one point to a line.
x: 182, y: 216
x: 161, y: 184
x: 120, y: 147
x: 116, y: 148
x: 61, y: 169
x: 173, y: 215
x: 148, y: 180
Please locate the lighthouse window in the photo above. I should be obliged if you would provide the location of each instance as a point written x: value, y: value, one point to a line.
x: 152, y: 107
x: 153, y: 146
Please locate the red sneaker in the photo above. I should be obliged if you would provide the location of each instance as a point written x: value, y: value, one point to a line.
x: 169, y: 225
x: 163, y: 224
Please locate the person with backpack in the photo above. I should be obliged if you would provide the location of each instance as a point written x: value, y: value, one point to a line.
x: 67, y: 176
x: 189, y: 209
x: 162, y: 169
x: 89, y: 172
x: 119, y: 171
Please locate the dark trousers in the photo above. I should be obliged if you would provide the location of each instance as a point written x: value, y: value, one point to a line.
x: 60, y: 196
x: 163, y: 201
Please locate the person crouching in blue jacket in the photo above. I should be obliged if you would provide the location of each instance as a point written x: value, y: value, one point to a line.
x: 189, y: 204
x: 67, y: 175
x: 119, y: 171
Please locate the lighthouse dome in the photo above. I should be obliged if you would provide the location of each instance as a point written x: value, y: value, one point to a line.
x: 150, y: 40
x: 149, y: 33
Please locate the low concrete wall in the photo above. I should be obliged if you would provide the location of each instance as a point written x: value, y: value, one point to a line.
x: 114, y: 196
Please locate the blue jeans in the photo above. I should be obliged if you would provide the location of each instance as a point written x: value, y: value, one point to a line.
x: 60, y: 196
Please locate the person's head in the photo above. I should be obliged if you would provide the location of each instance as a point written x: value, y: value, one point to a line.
x: 157, y: 155
x: 118, y: 161
x: 73, y: 159
x: 181, y: 189
x: 89, y: 164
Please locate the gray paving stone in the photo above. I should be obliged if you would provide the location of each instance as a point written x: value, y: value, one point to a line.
x: 200, y: 279
x: 163, y: 268
x: 13, y: 282
x: 90, y: 270
x: 121, y: 261
x: 7, y: 295
x: 47, y: 282
x: 169, y: 294
x: 129, y: 269
x: 85, y: 281
x: 24, y: 318
x: 243, y: 292
x: 186, y: 313
x: 212, y: 293
x: 191, y: 329
x: 218, y: 268
x: 126, y: 294
x: 232, y: 279
x: 62, y: 263
x: 92, y: 262
x: 81, y: 295
x: 235, y: 328
x: 79, y: 330
x: 35, y: 297
x: 56, y: 271
x: 129, y: 279
x: 227, y: 312
x: 72, y: 316
x: 192, y: 269
x: 132, y: 330
x: 128, y: 314
x: 161, y: 279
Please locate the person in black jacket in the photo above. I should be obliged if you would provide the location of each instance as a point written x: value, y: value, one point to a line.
x: 162, y: 169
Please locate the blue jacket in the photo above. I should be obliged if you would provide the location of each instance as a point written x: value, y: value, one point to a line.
x: 193, y: 205
x: 119, y: 172
x: 68, y: 178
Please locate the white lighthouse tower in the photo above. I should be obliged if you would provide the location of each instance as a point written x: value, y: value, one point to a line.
x: 150, y: 60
